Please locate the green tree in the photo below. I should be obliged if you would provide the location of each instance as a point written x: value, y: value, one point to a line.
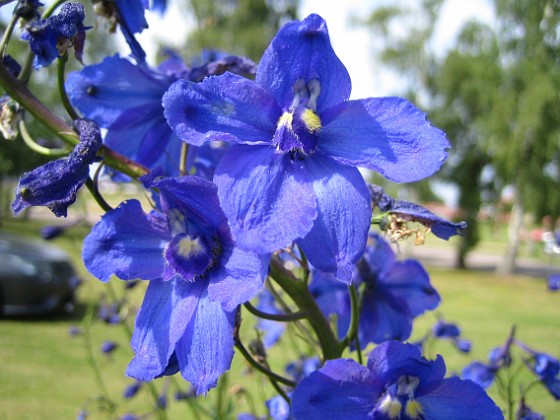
x: 496, y: 95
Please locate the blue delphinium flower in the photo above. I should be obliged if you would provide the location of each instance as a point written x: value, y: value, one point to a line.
x: 291, y: 174
x: 126, y: 99
x: 398, y: 383
x: 50, y: 38
x: 413, y: 212
x: 546, y: 367
x: 131, y: 390
x: 480, y: 373
x: 56, y: 183
x: 450, y: 331
x: 395, y: 293
x: 198, y: 276
x: 108, y: 347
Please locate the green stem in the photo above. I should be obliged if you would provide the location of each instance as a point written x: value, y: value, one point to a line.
x: 275, y: 317
x: 61, y: 66
x: 300, y: 294
x: 97, y: 196
x: 21, y: 94
x: 8, y: 34
x: 50, y: 10
x: 28, y: 140
x: 245, y: 353
x: 354, y: 319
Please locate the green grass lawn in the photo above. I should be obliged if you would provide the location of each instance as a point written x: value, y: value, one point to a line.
x: 47, y: 374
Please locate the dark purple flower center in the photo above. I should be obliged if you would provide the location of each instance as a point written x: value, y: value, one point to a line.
x: 297, y: 128
x: 191, y: 252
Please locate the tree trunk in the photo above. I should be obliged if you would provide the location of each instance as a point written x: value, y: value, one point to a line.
x: 507, y: 265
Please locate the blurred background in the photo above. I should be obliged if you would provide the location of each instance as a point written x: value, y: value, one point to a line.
x: 485, y: 71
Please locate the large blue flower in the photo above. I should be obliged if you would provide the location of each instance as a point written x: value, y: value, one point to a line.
x: 56, y: 183
x: 50, y: 38
x: 292, y: 173
x: 398, y: 383
x: 197, y: 278
x: 395, y: 293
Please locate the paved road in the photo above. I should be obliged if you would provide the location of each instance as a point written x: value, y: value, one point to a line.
x: 476, y: 260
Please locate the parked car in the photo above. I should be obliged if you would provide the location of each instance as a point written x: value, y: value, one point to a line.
x: 36, y: 277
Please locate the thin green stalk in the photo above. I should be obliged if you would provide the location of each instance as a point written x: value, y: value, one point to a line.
x: 50, y: 10
x: 97, y: 196
x: 275, y: 317
x: 297, y: 324
x: 21, y: 94
x: 300, y: 294
x: 61, y: 66
x: 28, y: 140
x: 245, y: 353
x: 8, y: 34
x: 354, y: 319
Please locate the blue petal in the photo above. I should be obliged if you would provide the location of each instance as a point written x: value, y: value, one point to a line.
x: 393, y: 359
x: 197, y: 199
x: 227, y: 107
x: 388, y: 135
x: 302, y: 50
x: 132, y: 14
x: 480, y: 373
x: 459, y: 400
x: 167, y: 309
x: 383, y: 317
x: 238, y: 278
x: 128, y: 243
x: 103, y: 91
x: 379, y: 258
x: 342, y: 389
x: 339, y: 234
x: 409, y: 281
x: 266, y: 196
x: 147, y: 139
x: 205, y: 351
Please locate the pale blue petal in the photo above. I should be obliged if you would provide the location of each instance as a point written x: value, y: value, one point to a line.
x: 459, y: 400
x: 302, y: 50
x: 388, y: 135
x: 228, y: 107
x: 339, y: 234
x: 160, y: 324
x: 266, y: 196
x: 205, y: 351
x: 238, y: 279
x: 342, y: 389
x: 128, y: 243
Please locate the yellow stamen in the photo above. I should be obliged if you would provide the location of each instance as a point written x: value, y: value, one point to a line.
x: 311, y: 120
x: 391, y: 407
x: 413, y: 409
x: 187, y: 247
